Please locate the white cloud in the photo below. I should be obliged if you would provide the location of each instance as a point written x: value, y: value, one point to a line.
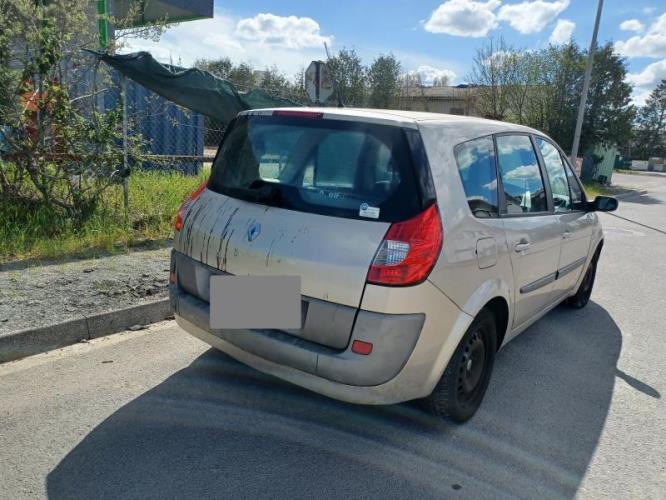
x: 217, y: 37
x: 531, y: 17
x: 412, y: 61
x: 646, y: 80
x: 632, y: 25
x: 283, y: 31
x: 463, y: 18
x: 429, y: 74
x: 650, y: 76
x: 562, y: 32
x: 652, y: 44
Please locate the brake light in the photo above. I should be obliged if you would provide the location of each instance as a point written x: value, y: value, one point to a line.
x: 298, y: 114
x: 409, y: 250
x: 179, y: 217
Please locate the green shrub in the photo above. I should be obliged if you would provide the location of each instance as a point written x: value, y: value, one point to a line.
x: 31, y: 229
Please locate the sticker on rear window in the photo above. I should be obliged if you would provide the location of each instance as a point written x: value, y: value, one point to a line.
x: 366, y: 210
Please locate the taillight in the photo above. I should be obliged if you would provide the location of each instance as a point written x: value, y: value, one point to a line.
x: 179, y: 217
x: 409, y: 250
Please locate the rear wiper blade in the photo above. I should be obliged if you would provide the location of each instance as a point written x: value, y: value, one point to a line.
x: 259, y: 183
x: 261, y: 190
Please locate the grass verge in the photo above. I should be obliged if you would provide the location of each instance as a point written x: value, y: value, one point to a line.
x: 31, y: 231
x: 593, y: 189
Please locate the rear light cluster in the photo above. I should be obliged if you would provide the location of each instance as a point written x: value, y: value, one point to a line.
x: 179, y: 218
x: 409, y: 250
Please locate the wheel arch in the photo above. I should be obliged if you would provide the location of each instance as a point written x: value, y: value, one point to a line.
x: 495, y: 295
x: 499, y: 308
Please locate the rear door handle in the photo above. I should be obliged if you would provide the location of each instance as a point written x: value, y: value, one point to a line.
x: 522, y: 246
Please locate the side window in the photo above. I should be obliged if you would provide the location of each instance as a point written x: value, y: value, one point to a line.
x: 557, y: 175
x: 476, y: 165
x: 521, y: 177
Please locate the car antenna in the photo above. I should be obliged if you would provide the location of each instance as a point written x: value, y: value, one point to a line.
x: 335, y: 80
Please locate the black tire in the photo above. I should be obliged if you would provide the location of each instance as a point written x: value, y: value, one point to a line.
x: 584, y: 291
x: 459, y: 392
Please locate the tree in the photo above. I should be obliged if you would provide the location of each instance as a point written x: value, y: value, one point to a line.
x: 609, y: 114
x: 542, y: 89
x: 242, y: 76
x: 441, y: 81
x: 350, y: 77
x: 384, y: 80
x: 61, y: 151
x: 219, y: 67
x: 275, y: 82
x: 491, y: 73
x: 297, y: 92
x: 411, y: 85
x: 651, y: 125
x: 554, y: 104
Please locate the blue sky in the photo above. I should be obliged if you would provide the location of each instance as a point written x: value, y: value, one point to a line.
x: 432, y: 37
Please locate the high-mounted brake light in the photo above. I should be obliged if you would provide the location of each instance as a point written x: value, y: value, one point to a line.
x: 298, y: 114
x: 179, y: 217
x: 409, y: 250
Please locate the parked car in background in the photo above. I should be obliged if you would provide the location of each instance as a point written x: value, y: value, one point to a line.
x: 423, y: 243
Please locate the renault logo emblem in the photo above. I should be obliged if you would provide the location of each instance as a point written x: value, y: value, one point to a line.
x: 253, y: 231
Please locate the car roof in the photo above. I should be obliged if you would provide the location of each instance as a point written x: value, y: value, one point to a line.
x: 402, y: 117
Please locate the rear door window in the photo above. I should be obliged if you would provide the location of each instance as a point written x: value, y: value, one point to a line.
x: 476, y: 166
x: 332, y: 167
x: 523, y: 185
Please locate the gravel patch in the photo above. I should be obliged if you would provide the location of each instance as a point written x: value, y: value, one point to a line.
x: 53, y: 293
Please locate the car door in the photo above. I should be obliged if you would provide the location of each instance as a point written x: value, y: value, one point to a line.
x: 569, y: 207
x: 533, y: 232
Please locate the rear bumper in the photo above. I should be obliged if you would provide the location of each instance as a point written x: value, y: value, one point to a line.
x: 393, y: 337
x: 410, y: 348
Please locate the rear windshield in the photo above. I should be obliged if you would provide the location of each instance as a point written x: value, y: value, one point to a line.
x: 330, y: 167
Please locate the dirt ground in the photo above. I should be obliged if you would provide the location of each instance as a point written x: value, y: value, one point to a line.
x: 43, y: 294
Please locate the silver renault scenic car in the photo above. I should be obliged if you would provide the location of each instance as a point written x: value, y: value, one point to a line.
x: 420, y: 244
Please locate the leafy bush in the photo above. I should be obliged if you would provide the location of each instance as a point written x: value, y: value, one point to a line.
x: 30, y: 229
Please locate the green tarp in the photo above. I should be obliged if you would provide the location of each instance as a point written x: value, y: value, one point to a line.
x: 191, y: 88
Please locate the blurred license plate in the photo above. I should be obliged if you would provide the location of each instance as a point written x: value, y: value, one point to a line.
x: 240, y: 302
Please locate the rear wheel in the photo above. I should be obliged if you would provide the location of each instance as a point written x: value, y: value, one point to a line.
x: 584, y: 291
x: 460, y: 391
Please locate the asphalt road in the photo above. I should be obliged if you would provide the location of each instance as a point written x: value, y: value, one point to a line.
x: 575, y: 408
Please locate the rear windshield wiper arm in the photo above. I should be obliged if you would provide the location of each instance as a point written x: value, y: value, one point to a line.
x: 261, y: 190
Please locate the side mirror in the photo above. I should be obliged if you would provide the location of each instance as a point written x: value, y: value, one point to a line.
x: 603, y: 204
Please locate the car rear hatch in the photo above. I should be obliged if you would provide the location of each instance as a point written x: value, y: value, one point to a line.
x: 299, y: 193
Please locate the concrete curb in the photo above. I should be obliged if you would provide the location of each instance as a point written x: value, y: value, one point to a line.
x: 36, y: 340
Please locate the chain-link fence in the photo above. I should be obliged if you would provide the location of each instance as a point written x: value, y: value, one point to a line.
x: 172, y: 137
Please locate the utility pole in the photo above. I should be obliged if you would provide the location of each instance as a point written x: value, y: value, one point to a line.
x: 586, y: 85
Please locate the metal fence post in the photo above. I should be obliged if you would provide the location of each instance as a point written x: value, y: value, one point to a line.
x: 123, y: 87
